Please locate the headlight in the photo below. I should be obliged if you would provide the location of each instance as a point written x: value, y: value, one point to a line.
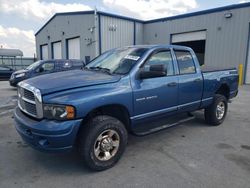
x: 20, y: 75
x: 58, y: 112
x: 12, y: 76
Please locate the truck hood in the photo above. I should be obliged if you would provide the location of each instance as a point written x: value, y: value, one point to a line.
x: 55, y: 82
x: 20, y: 71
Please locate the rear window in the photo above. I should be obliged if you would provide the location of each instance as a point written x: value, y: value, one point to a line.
x: 78, y: 63
x: 67, y: 64
x: 185, y: 62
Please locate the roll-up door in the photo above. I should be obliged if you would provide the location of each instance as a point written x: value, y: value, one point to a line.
x: 57, y: 50
x: 190, y: 36
x: 73, y: 48
x: 195, y: 40
x: 247, y: 80
x: 44, y: 52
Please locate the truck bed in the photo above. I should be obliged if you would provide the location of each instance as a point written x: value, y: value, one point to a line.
x: 205, y: 69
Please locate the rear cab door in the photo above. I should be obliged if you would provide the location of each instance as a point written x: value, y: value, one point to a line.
x: 190, y: 80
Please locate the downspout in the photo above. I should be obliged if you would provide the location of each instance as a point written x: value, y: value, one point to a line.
x: 97, y: 33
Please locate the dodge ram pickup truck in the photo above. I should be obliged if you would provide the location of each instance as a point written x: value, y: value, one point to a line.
x: 136, y: 89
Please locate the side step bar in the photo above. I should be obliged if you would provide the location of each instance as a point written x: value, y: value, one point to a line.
x: 165, y: 126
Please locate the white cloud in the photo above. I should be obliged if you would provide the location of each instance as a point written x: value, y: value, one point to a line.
x: 30, y: 10
x: 36, y: 9
x: 244, y: 1
x: 12, y: 37
x: 148, y: 9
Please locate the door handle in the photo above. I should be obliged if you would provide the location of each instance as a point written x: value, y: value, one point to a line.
x: 197, y: 80
x: 172, y: 84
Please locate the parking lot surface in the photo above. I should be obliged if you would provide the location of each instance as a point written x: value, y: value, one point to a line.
x: 189, y: 155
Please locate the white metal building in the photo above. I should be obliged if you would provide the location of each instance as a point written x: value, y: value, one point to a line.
x: 220, y: 36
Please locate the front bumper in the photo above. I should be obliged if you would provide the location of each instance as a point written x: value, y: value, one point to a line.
x: 13, y: 82
x: 47, y: 135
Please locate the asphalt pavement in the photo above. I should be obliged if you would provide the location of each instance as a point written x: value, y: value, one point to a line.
x: 193, y: 154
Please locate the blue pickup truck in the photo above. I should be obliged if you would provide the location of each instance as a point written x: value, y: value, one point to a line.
x: 136, y: 89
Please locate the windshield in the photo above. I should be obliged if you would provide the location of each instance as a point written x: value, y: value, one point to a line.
x: 33, y: 65
x: 118, y: 61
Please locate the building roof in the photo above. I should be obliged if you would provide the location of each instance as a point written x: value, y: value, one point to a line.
x: 10, y: 52
x: 88, y: 12
x: 209, y: 11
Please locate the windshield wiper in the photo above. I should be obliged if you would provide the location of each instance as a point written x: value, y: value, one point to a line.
x: 106, y: 70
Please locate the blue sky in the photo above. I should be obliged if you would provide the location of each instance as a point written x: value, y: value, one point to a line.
x: 20, y: 19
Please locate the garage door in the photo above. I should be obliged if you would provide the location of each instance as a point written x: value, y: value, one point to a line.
x: 191, y: 36
x: 74, y: 48
x: 57, y: 50
x: 248, y: 63
x: 44, y: 52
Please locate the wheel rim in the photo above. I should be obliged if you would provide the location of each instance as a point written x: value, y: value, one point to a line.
x: 107, y: 145
x: 220, y: 110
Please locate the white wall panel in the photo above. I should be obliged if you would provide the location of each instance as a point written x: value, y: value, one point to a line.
x: 116, y: 32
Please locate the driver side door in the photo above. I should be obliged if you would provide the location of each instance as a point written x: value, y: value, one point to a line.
x: 157, y: 95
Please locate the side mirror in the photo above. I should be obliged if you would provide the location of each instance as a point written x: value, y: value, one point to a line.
x: 154, y: 71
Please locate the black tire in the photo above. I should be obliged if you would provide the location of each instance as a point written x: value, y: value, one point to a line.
x: 210, y: 112
x: 88, y: 138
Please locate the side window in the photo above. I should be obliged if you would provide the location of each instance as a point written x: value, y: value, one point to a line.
x: 163, y: 59
x: 46, y: 67
x: 185, y: 62
x: 78, y: 64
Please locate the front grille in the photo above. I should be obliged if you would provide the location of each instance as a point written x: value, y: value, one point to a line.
x: 28, y: 95
x: 30, y: 108
x: 28, y: 102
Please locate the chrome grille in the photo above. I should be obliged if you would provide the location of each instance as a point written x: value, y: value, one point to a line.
x: 28, y: 102
x: 30, y: 108
x: 29, y: 95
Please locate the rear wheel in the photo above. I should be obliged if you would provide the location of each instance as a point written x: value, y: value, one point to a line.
x: 102, y: 142
x: 216, y: 112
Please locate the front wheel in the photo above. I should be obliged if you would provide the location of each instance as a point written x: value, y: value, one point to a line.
x: 216, y: 112
x: 102, y: 142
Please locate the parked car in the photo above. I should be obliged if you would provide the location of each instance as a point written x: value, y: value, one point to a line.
x: 137, y: 89
x: 44, y: 67
x: 5, y: 72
